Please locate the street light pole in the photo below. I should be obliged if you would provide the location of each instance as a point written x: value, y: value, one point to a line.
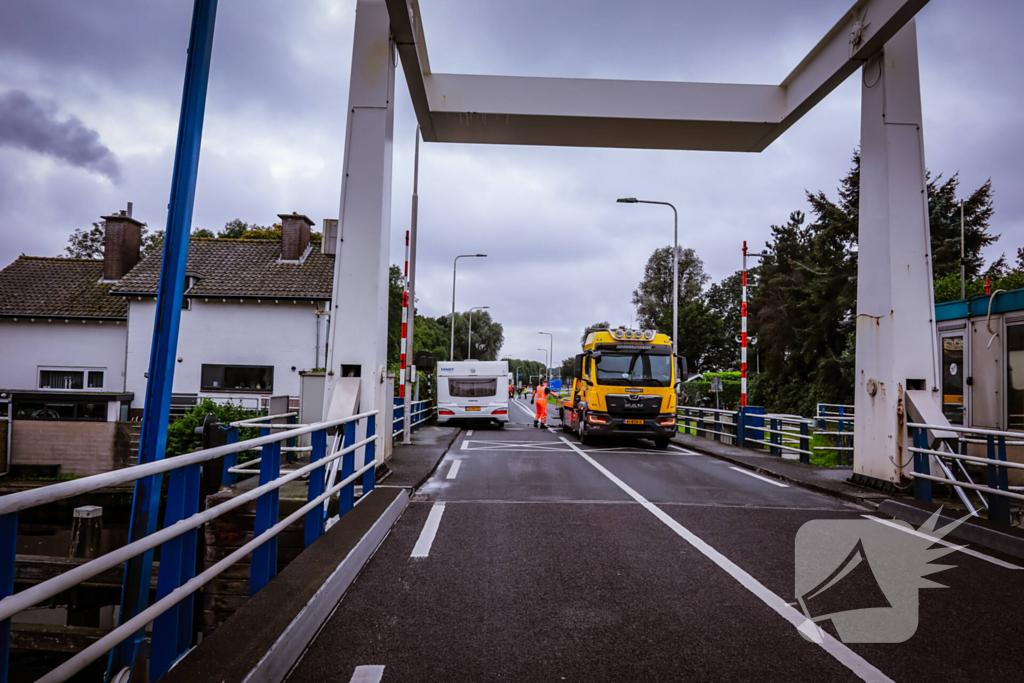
x: 551, y: 354
x: 469, y: 345
x: 546, y: 371
x: 455, y: 267
x: 675, y: 265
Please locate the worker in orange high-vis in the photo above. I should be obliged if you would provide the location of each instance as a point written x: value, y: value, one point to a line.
x: 540, y: 397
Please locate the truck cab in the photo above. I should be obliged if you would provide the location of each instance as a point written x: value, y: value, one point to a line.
x: 624, y: 385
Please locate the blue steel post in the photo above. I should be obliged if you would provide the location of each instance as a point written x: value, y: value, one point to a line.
x: 172, y: 630
x: 146, y: 499
x: 741, y: 426
x: 315, y: 517
x: 230, y: 460
x: 998, y: 506
x: 922, y: 487
x: 264, y: 558
x: 370, y: 475
x: 8, y: 550
x: 718, y: 435
x: 773, y: 437
x: 346, y: 496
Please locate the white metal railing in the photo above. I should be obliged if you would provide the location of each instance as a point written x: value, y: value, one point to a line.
x: 424, y: 410
x: 12, y: 504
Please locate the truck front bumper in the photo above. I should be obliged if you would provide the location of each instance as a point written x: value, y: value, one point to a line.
x: 658, y: 426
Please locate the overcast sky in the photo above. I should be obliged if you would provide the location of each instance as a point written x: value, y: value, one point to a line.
x: 90, y: 94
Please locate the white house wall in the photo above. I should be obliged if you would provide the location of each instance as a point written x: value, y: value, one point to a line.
x: 26, y: 346
x: 235, y: 332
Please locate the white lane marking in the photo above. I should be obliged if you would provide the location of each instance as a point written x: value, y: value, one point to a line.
x: 426, y: 539
x: 524, y: 409
x: 683, y: 450
x: 454, y: 470
x: 464, y: 444
x: 469, y: 433
x: 844, y: 655
x: 368, y: 674
x: 758, y: 476
x: 965, y: 551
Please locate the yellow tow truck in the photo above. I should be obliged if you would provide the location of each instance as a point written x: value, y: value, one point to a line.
x: 624, y: 384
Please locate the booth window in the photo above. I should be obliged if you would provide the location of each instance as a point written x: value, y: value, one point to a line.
x: 1015, y: 376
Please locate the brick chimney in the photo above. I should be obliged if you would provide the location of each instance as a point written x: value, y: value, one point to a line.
x: 294, y: 235
x: 121, y: 244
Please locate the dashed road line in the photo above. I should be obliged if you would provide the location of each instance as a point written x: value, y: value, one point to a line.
x: 368, y: 674
x: 682, y: 450
x: 844, y: 655
x: 965, y: 551
x: 465, y: 442
x: 426, y: 539
x: 454, y: 471
x: 758, y: 476
x: 469, y: 433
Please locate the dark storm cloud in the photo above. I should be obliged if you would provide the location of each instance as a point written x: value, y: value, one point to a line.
x: 28, y: 124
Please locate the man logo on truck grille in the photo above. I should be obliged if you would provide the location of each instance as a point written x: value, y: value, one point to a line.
x: 864, y: 576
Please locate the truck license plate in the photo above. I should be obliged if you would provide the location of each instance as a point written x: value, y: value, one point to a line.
x: 473, y: 408
x: 634, y: 422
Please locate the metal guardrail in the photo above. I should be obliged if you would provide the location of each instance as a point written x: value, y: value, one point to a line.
x: 997, y: 494
x: 697, y: 419
x: 172, y: 611
x: 399, y: 417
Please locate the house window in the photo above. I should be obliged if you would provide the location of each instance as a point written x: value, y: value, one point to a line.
x: 1015, y: 376
x: 61, y: 409
x: 237, y: 378
x: 70, y: 379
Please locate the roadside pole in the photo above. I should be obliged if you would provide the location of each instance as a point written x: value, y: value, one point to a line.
x: 408, y: 377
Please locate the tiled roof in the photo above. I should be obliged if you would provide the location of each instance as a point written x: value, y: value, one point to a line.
x: 38, y: 286
x: 241, y: 267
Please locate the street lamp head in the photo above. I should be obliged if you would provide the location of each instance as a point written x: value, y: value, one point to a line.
x: 480, y: 255
x: 627, y: 200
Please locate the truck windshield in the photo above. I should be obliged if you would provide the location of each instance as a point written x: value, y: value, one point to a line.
x: 634, y: 369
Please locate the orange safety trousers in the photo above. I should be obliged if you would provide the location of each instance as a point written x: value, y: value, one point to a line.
x: 541, y: 400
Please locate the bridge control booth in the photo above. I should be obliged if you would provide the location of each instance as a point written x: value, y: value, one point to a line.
x: 982, y: 342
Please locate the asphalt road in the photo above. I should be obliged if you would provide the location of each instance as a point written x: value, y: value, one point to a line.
x: 527, y: 557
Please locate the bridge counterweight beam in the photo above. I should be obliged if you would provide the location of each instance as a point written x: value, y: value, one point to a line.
x: 359, y: 314
x: 896, y: 343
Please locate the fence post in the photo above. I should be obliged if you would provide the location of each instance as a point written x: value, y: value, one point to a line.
x: 998, y: 506
x: 8, y: 550
x: 370, y: 475
x: 230, y: 460
x: 347, y: 494
x: 718, y: 434
x: 264, y: 558
x: 172, y: 630
x: 315, y: 517
x: 292, y: 456
x: 805, y: 443
x: 700, y: 423
x: 774, y: 438
x: 741, y: 426
x: 922, y: 487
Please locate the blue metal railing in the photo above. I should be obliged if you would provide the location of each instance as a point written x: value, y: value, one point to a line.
x: 420, y: 412
x: 996, y: 491
x: 172, y: 612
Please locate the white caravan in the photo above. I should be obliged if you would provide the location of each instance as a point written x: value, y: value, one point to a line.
x: 472, y: 390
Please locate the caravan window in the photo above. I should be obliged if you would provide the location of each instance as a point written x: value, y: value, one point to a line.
x: 472, y: 388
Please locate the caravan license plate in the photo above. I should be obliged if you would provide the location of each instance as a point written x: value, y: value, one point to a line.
x: 472, y: 407
x: 634, y: 422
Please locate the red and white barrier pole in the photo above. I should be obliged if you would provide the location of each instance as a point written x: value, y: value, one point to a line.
x: 743, y: 333
x: 405, y: 322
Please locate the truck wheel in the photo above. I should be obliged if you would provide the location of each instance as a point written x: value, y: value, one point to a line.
x: 585, y: 439
x: 661, y: 444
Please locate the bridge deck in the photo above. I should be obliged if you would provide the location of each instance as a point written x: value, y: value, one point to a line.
x: 545, y: 566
